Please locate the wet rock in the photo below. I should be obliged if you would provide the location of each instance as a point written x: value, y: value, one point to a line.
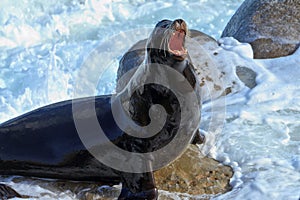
x: 102, y: 193
x: 271, y: 27
x: 175, y: 196
x: 6, y: 192
x: 214, y: 67
x: 194, y: 174
x: 246, y: 75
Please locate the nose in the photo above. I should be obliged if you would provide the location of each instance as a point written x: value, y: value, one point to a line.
x: 179, y: 24
x: 179, y: 21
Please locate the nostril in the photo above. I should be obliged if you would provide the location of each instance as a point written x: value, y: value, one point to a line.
x: 179, y: 21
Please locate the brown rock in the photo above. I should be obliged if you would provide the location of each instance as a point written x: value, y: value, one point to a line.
x: 272, y: 27
x: 194, y: 174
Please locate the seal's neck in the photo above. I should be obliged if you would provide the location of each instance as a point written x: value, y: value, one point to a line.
x: 156, y: 56
x: 180, y: 66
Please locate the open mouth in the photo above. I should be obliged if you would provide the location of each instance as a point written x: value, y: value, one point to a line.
x: 176, y: 43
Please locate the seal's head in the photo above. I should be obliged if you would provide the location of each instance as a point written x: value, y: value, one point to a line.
x: 167, y: 42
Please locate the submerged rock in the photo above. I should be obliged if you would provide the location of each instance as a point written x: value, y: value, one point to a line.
x: 271, y: 27
x: 194, y: 174
x: 247, y: 76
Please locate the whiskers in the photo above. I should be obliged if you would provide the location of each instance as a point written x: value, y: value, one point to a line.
x: 165, y: 41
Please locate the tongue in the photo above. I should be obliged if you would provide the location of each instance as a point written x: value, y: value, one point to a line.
x: 176, y: 41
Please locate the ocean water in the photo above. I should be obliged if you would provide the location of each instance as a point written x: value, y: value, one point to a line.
x: 44, y: 43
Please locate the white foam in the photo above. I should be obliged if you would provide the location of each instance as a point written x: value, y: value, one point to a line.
x: 260, y: 139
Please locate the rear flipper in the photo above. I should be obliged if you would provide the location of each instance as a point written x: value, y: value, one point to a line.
x: 7, y: 192
x: 198, y: 138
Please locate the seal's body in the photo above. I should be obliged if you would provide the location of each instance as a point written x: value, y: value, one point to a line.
x: 45, y: 143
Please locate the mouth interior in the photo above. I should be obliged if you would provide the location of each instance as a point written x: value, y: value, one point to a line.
x: 176, y: 43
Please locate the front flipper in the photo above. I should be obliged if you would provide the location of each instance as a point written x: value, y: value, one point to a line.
x: 7, y: 192
x: 198, y: 138
x: 138, y: 186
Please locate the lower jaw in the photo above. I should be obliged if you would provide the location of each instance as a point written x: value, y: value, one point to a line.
x: 178, y: 57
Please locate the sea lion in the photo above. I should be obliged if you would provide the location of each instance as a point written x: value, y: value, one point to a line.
x: 45, y: 143
x: 137, y: 55
x: 165, y: 46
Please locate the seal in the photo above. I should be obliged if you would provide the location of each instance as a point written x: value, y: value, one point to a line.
x: 165, y: 47
x: 137, y: 55
x: 45, y: 143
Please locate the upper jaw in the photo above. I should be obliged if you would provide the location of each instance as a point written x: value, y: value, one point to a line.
x: 176, y: 44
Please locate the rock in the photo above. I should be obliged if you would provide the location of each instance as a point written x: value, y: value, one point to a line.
x: 216, y: 68
x: 102, y: 193
x: 246, y: 75
x: 6, y: 192
x: 191, y: 174
x: 272, y: 27
x: 194, y: 174
x: 167, y: 196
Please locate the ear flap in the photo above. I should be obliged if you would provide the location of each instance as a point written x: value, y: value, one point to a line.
x: 190, y: 75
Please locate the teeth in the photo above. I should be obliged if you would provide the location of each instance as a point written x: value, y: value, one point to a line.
x: 179, y: 52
